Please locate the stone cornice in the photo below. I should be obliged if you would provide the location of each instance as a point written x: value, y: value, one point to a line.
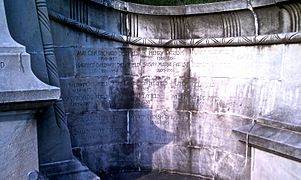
x: 283, y: 38
x: 233, y: 5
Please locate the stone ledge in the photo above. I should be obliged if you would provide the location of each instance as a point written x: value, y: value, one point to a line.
x: 29, y: 105
x: 217, y: 7
x: 281, y: 141
x: 29, y: 95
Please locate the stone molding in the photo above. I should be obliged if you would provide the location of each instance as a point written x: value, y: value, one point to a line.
x: 273, y: 139
x: 187, y: 9
x: 283, y: 38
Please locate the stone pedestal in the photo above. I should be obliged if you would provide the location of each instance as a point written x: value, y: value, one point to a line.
x: 22, y: 95
x: 18, y: 152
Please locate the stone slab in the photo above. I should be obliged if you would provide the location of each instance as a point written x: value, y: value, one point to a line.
x: 106, y: 62
x: 19, y: 146
x: 102, y: 127
x: 280, y: 168
x: 277, y: 140
x: 204, y: 162
x: 159, y: 127
x: 215, y: 131
x: 85, y: 94
x: 240, y: 62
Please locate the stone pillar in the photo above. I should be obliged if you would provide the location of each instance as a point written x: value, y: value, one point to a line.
x: 28, y: 24
x: 22, y: 95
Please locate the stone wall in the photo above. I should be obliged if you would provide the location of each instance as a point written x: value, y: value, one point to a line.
x: 136, y: 103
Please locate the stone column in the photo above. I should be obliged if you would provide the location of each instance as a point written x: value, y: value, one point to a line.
x: 28, y: 24
x: 22, y: 95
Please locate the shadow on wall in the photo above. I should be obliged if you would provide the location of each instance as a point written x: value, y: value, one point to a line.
x: 112, y: 127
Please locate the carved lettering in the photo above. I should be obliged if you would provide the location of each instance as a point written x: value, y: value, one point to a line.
x: 106, y: 62
x: 101, y: 127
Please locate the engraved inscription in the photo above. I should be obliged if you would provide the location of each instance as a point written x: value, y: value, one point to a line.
x: 82, y: 95
x: 159, y: 127
x: 106, y: 62
x: 164, y: 62
x: 2, y: 65
x: 100, y: 127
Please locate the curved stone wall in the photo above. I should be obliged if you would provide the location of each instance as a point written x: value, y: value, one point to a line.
x: 162, y: 88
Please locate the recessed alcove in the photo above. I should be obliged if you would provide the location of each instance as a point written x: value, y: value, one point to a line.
x: 197, y: 91
x: 163, y: 88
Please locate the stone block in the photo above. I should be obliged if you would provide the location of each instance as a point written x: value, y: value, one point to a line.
x: 19, y: 146
x: 282, y: 141
x: 96, y: 128
x: 121, y: 93
x: 85, y: 94
x: 231, y: 166
x: 172, y: 62
x: 153, y: 92
x: 107, y: 62
x: 239, y: 62
x: 215, y: 131
x: 291, y: 63
x: 159, y: 127
x: 109, y: 157
x: 172, y: 157
x: 19, y: 84
x: 280, y: 168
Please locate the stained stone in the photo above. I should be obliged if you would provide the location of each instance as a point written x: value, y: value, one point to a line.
x: 178, y: 105
x: 100, y: 128
x: 183, y: 89
x: 291, y: 169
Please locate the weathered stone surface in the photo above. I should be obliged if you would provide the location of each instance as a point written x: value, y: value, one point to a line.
x: 103, y: 127
x: 195, y: 105
x: 109, y: 157
x: 85, y: 94
x: 178, y: 105
x: 106, y: 62
x: 18, y: 83
x: 278, y: 167
x: 240, y: 62
x: 159, y: 127
x: 19, y: 146
x: 283, y: 141
x: 144, y: 175
x: 215, y: 131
